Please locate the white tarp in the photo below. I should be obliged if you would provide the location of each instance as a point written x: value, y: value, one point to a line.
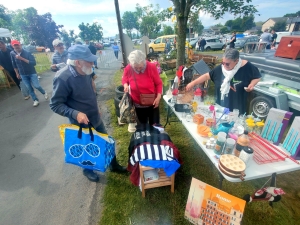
x: 4, y: 32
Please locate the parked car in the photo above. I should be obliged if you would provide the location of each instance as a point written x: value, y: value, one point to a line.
x: 240, y: 42
x: 193, y: 43
x: 159, y: 43
x: 106, y: 43
x: 213, y: 44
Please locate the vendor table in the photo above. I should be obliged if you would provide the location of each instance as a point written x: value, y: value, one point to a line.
x: 253, y: 170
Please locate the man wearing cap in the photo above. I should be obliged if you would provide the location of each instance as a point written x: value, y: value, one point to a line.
x: 74, y: 97
x: 60, y: 56
x: 5, y: 62
x: 23, y: 63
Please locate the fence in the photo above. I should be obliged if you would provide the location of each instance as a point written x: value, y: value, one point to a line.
x: 43, y: 61
x: 106, y: 57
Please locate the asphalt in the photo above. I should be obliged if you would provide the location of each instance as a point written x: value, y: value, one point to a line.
x: 36, y: 186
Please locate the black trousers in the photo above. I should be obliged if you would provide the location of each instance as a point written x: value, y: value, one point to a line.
x: 13, y: 75
x: 148, y: 115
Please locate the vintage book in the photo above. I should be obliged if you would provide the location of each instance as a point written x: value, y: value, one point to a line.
x: 210, y: 206
x: 151, y: 175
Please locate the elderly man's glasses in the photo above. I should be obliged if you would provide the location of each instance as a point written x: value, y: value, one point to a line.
x: 59, y: 45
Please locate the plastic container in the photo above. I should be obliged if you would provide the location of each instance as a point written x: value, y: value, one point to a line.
x: 229, y: 146
x: 236, y: 113
x: 250, y: 127
x: 197, y: 95
x: 259, y: 127
x: 198, y: 118
x: 188, y: 118
x: 242, y: 141
x: 221, y: 139
x: 246, y: 154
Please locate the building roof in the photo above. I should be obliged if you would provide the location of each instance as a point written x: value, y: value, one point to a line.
x: 276, y: 19
x: 293, y: 20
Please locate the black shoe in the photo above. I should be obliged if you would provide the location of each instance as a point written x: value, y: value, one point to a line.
x: 115, y: 166
x: 91, y: 175
x: 96, y: 67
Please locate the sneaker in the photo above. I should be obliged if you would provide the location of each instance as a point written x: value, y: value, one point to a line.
x: 91, y: 175
x: 39, y: 77
x: 35, y: 103
x: 26, y: 98
x: 46, y: 95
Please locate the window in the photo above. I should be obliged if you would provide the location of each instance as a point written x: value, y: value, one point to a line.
x: 157, y: 41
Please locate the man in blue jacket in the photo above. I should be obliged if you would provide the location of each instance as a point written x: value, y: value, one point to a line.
x: 23, y: 64
x: 5, y: 62
x: 73, y: 96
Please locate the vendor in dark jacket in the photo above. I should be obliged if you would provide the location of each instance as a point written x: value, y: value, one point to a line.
x: 74, y: 97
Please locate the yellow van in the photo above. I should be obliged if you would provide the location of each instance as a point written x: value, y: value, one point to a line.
x: 158, y: 45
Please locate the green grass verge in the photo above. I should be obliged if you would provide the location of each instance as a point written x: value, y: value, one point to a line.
x: 42, y: 61
x: 123, y: 202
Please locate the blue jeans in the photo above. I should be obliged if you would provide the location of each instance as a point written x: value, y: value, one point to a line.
x: 24, y: 89
x: 32, y: 79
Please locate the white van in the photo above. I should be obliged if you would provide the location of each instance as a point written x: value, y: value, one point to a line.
x: 280, y: 35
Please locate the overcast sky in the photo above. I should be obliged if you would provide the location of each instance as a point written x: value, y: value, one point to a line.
x: 71, y: 13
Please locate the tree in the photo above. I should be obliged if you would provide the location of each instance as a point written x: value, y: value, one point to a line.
x: 292, y: 14
x: 195, y: 23
x: 215, y: 8
x: 167, y: 30
x: 279, y: 26
x: 43, y: 30
x: 90, y: 32
x: 149, y: 17
x: 224, y: 30
x: 28, y: 26
x: 5, y: 18
x: 129, y: 22
x: 248, y: 22
x: 68, y: 38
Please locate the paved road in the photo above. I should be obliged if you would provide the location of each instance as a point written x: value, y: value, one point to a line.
x: 36, y: 186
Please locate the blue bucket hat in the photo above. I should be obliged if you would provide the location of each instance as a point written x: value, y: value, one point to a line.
x: 81, y: 52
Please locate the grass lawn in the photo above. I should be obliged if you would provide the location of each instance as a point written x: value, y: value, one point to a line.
x: 123, y: 202
x: 43, y: 60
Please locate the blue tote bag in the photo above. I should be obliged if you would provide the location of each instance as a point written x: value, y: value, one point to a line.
x: 87, y: 148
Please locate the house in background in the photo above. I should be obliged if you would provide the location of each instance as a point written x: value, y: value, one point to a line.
x: 293, y: 24
x: 271, y: 22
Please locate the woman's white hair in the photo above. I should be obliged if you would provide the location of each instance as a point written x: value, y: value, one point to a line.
x: 136, y: 57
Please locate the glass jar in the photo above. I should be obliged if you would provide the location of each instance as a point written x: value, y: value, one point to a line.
x: 259, y: 127
x: 246, y: 154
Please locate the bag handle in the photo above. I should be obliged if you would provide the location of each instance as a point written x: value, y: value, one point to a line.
x: 79, y: 135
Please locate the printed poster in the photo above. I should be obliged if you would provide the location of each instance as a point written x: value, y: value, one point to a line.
x: 207, y: 205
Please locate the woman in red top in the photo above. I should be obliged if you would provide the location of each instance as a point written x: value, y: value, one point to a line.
x: 142, y: 77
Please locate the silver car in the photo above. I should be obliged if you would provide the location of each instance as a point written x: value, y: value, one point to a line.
x: 213, y: 44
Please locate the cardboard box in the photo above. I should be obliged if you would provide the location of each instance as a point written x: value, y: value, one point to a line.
x: 210, y: 206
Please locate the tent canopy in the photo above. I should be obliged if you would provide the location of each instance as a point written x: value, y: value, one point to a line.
x: 4, y: 32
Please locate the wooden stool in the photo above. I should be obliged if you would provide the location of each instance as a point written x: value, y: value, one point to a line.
x: 8, y: 81
x: 163, y: 180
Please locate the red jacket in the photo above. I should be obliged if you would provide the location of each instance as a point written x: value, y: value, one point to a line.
x: 148, y: 82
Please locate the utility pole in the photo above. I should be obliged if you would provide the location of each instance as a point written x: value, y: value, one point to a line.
x: 121, y: 33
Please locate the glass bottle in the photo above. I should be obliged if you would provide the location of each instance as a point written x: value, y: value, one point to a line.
x: 242, y: 141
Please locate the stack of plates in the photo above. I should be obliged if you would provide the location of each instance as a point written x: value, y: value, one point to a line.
x: 232, y: 166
